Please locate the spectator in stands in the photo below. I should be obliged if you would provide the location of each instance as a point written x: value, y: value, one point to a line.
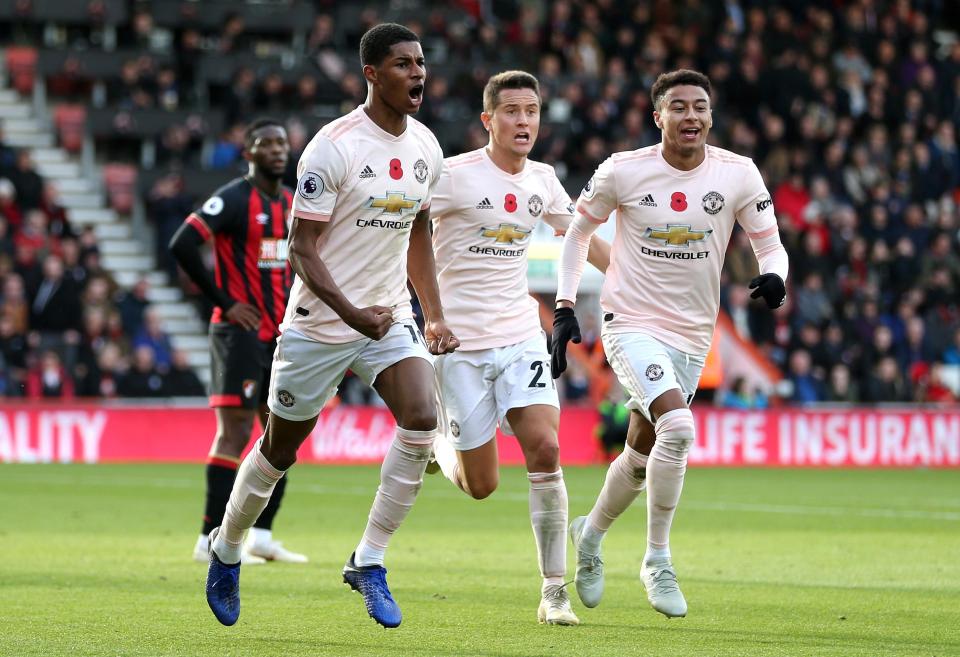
x: 7, y: 246
x: 55, y: 306
x: 14, y: 348
x: 58, y: 225
x: 807, y: 388
x: 168, y: 89
x: 241, y: 97
x: 813, y: 302
x: 8, y: 156
x: 886, y: 383
x: 152, y: 335
x: 271, y: 97
x: 133, y: 304
x: 841, y: 387
x: 33, y: 234
x: 49, y: 379
x: 14, y: 305
x: 167, y: 205
x: 915, y: 348
x: 134, y: 89
x: 175, y: 147
x: 232, y: 38
x: 143, y: 379
x: 180, y: 380
x: 72, y: 269
x: 741, y: 395
x: 951, y: 355
x: 111, y: 369
x: 930, y: 387
x: 27, y: 181
x: 9, y: 208
x: 228, y: 149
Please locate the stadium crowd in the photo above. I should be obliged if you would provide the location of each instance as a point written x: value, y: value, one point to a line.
x: 66, y: 328
x: 851, y: 110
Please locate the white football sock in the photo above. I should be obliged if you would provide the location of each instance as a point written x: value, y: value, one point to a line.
x: 625, y: 480
x: 252, y: 488
x: 548, y: 516
x: 259, y: 536
x: 665, y: 471
x: 401, y: 477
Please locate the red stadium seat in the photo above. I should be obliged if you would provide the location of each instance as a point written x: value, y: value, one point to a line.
x: 70, y: 121
x: 121, y: 183
x: 22, y: 64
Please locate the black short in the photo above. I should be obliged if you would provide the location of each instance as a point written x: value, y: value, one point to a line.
x: 239, y: 367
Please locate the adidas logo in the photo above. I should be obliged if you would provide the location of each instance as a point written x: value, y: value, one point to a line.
x: 485, y: 204
x: 648, y: 201
x: 367, y: 172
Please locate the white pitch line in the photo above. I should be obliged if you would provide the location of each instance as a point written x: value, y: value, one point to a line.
x: 368, y: 491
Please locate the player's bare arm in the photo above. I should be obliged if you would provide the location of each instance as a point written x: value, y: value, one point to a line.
x: 422, y: 272
x: 599, y: 254
x: 305, y: 236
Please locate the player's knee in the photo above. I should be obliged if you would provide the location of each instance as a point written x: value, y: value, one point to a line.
x: 279, y: 455
x: 419, y: 418
x: 676, y: 432
x: 482, y: 487
x: 543, y: 455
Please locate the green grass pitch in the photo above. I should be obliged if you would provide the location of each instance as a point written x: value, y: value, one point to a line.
x: 95, y: 560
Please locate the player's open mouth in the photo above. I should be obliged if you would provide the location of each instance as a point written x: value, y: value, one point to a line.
x: 690, y: 134
x: 416, y: 94
x: 522, y: 138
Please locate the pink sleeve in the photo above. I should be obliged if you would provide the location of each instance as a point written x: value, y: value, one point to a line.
x: 771, y: 255
x: 573, y: 257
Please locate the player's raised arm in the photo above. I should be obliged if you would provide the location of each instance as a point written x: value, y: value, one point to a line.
x: 305, y: 237
x: 422, y: 271
x: 758, y: 219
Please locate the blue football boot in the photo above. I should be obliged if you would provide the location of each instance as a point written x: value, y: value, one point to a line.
x: 223, y: 587
x: 371, y: 583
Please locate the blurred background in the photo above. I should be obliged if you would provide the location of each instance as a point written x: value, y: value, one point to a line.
x: 117, y: 118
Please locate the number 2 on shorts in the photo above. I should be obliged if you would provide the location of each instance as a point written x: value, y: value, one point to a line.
x: 538, y: 367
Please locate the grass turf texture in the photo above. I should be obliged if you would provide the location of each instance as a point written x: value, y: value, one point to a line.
x: 95, y: 561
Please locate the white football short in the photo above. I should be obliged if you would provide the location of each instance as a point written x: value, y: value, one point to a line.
x: 479, y: 387
x: 305, y: 373
x: 647, y: 368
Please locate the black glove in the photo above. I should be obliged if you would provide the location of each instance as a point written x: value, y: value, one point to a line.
x: 565, y: 329
x: 770, y: 287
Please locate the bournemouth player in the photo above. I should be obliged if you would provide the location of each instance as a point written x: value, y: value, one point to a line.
x: 247, y: 221
x: 486, y: 205
x: 360, y: 229
x: 676, y: 205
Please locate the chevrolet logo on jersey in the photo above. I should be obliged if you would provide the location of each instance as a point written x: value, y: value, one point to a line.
x: 505, y: 234
x: 678, y: 235
x: 394, y: 203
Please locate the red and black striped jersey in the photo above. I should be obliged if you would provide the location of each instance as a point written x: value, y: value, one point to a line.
x: 249, y: 231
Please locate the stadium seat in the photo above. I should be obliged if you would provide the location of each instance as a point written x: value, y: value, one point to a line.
x: 121, y: 183
x: 70, y: 121
x: 22, y: 64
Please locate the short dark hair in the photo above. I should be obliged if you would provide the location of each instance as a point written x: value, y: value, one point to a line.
x: 256, y: 125
x: 507, y: 80
x: 666, y: 81
x: 376, y: 42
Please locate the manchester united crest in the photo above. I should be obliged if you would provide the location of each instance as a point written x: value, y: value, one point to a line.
x: 420, y: 170
x: 535, y: 205
x: 712, y: 202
